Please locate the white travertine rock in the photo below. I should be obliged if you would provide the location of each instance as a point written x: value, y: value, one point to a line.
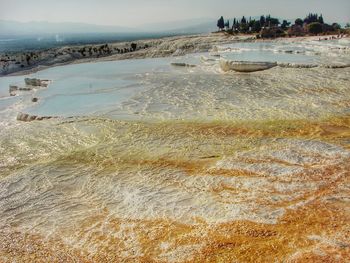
x: 245, y: 66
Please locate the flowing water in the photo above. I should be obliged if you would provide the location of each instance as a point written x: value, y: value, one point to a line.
x: 152, y: 163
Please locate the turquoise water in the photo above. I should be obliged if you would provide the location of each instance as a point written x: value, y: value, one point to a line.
x: 153, y: 88
x: 330, y: 51
x: 83, y: 89
x: 270, y: 56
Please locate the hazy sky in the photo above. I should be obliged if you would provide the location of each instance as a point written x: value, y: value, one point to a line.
x: 136, y: 12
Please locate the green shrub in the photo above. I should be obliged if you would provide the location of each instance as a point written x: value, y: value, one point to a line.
x: 133, y: 46
x: 299, y: 22
x: 296, y: 30
x: 336, y: 26
x: 327, y: 28
x: 271, y: 32
x: 315, y: 28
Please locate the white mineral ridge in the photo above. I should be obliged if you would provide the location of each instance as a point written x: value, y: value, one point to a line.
x: 245, y: 66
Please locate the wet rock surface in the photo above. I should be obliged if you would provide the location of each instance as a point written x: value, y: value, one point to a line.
x: 179, y: 64
x: 28, y: 118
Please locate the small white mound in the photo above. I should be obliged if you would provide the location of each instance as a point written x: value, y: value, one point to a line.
x: 245, y: 66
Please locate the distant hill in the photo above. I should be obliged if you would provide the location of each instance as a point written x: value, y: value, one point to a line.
x: 196, y: 29
x: 200, y: 25
x: 8, y: 28
x: 30, y: 28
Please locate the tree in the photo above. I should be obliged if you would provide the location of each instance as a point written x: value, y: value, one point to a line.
x: 227, y: 24
x: 221, y: 23
x: 262, y: 21
x: 256, y: 26
x: 327, y: 28
x: 270, y: 21
x: 274, y: 21
x: 133, y: 46
x: 347, y: 25
x: 315, y: 28
x: 243, y: 27
x: 320, y: 19
x: 336, y: 26
x: 312, y: 18
x: 285, y: 24
x: 235, y: 24
x: 243, y: 21
x: 299, y: 22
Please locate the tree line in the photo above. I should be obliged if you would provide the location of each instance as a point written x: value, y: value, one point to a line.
x: 268, y: 26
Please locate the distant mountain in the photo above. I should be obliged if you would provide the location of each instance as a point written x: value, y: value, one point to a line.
x: 192, y: 26
x: 42, y: 27
x: 8, y: 28
x: 200, y: 25
x: 196, y: 29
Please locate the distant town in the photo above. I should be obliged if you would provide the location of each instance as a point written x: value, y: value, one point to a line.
x: 271, y: 27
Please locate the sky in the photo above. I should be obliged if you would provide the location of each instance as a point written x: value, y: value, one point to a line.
x: 133, y: 13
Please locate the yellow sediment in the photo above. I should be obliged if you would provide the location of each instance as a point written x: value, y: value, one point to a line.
x: 316, y: 229
x: 315, y: 232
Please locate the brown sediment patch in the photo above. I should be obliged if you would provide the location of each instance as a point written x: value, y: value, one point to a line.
x: 231, y: 172
x: 28, y: 248
x: 327, y: 179
x: 334, y: 130
x: 257, y: 129
x: 330, y: 130
x: 265, y: 160
x: 322, y: 253
x: 237, y: 241
x: 188, y: 166
x: 251, y: 242
x: 197, y: 167
x: 319, y: 90
x: 133, y: 240
x: 181, y: 144
x: 342, y: 103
